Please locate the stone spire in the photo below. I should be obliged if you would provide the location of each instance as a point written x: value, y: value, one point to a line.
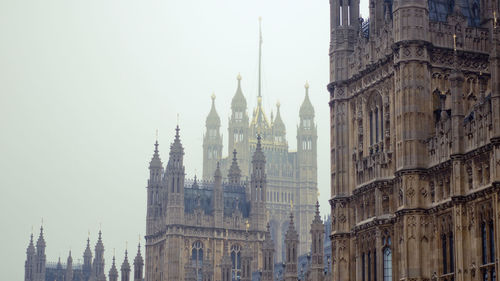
x: 306, y: 109
x: 125, y: 269
x: 29, y: 265
x: 234, y: 174
x: 213, y: 119
x: 317, y: 235
x: 87, y: 261
x: 98, y: 264
x: 279, y: 128
x: 113, y: 272
x: 268, y: 257
x: 69, y: 268
x: 239, y: 103
x: 154, y: 191
x: 258, y: 185
x: 291, y: 244
x: 218, y: 199
x: 175, y: 174
x: 138, y: 264
x: 40, y: 257
x: 156, y: 160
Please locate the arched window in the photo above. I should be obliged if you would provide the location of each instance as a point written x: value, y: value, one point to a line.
x: 197, y: 258
x: 375, y: 118
x: 236, y: 261
x: 443, y: 245
x: 363, y: 266
x: 492, y: 243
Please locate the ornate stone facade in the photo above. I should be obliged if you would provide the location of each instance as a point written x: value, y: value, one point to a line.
x: 415, y: 140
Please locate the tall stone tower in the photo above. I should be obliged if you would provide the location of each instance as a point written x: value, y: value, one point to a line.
x: 174, y: 178
x: 212, y: 142
x: 317, y: 235
x: 154, y: 192
x: 29, y: 265
x: 307, y: 165
x: 292, y: 248
x: 125, y: 268
x: 87, y: 261
x: 69, y: 268
x: 268, y: 256
x: 258, y: 187
x: 138, y: 265
x: 98, y: 273
x: 113, y: 272
x: 41, y: 259
x: 238, y: 130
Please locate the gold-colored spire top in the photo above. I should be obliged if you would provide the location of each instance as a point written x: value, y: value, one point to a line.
x: 213, y: 96
x: 306, y: 85
x: 238, y: 77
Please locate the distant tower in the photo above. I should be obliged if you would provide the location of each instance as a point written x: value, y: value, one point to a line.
x: 69, y: 268
x: 258, y: 187
x: 87, y: 261
x: 138, y: 265
x: 212, y: 142
x: 317, y: 234
x: 279, y: 129
x: 154, y: 204
x: 29, y: 265
x: 218, y: 199
x: 113, y: 272
x: 238, y: 129
x: 125, y: 269
x: 40, y: 257
x: 291, y: 244
x: 307, y: 163
x: 98, y: 264
x: 268, y: 257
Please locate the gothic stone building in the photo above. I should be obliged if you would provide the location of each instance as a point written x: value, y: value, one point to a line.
x: 291, y: 175
x: 36, y: 267
x: 415, y: 140
x: 195, y: 229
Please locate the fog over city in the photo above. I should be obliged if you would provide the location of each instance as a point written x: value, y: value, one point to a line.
x: 84, y: 85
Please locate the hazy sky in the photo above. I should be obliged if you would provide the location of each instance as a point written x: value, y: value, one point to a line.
x: 85, y: 84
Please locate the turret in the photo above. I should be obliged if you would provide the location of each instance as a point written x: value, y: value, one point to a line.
x: 234, y: 174
x: 125, y: 268
x: 212, y: 142
x: 98, y: 264
x: 40, y: 257
x: 246, y: 260
x: 218, y: 198
x: 317, y: 234
x: 279, y: 129
x: 174, y: 177
x: 268, y: 257
x: 226, y: 263
x: 113, y: 272
x: 29, y: 265
x: 138, y: 265
x: 344, y: 15
x: 238, y: 129
x: 154, y: 190
x: 258, y: 187
x: 87, y: 261
x: 69, y: 268
x: 291, y: 244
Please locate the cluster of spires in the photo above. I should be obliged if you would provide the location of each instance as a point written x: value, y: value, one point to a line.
x: 35, y: 265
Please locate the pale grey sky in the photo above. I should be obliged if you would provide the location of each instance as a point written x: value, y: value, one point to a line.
x: 85, y: 84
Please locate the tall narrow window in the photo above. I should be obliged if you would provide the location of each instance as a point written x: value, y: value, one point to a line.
x: 375, y: 265
x: 349, y: 12
x: 369, y: 266
x: 492, y: 242
x: 387, y: 264
x: 197, y: 258
x: 363, y: 266
x: 445, y: 253
x: 381, y: 124
x: 376, y: 125
x: 340, y: 13
x: 236, y: 262
x: 452, y: 258
x: 371, y: 128
x: 484, y: 243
